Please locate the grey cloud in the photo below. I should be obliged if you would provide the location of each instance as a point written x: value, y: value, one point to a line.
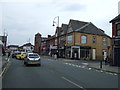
x: 74, y: 7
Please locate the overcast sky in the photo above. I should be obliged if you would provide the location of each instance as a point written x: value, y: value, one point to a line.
x: 22, y: 19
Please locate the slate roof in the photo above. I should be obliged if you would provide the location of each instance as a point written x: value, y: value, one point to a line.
x: 64, y: 28
x: 75, y: 24
x: 90, y: 28
x: 13, y: 46
x: 116, y: 19
x: 28, y: 44
x: 43, y: 38
x: 86, y: 27
x: 52, y: 37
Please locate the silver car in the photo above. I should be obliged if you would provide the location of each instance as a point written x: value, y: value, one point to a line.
x: 32, y: 58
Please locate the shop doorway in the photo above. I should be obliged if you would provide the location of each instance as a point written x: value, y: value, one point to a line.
x: 94, y: 54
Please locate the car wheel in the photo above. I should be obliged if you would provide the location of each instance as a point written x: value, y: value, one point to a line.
x: 39, y: 64
x: 26, y: 64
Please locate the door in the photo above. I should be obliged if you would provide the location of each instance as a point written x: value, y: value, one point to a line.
x: 117, y: 56
x: 104, y: 54
x: 94, y: 54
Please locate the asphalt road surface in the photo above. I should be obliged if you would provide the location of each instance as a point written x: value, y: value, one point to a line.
x: 55, y: 74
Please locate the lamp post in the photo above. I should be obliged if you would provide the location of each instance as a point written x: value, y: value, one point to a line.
x: 57, y: 22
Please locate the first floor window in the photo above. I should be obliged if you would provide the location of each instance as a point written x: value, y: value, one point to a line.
x: 83, y: 39
x: 94, y: 40
x: 55, y: 41
x: 104, y: 41
x: 118, y: 29
x: 69, y: 39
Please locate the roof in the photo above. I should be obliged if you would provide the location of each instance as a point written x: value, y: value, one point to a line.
x: 64, y: 28
x: 58, y: 30
x: 50, y: 38
x: 44, y: 38
x: 75, y: 24
x: 13, y: 46
x: 27, y: 44
x: 116, y: 19
x: 90, y: 29
x: 38, y: 34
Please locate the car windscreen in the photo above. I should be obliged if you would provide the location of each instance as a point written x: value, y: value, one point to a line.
x: 33, y: 56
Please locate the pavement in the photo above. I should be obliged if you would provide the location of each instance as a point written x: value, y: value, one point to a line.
x: 92, y: 64
x: 3, y: 62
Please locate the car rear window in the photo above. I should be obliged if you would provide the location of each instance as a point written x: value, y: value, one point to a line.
x: 33, y: 56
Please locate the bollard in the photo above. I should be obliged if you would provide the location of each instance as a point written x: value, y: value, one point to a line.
x: 101, y: 64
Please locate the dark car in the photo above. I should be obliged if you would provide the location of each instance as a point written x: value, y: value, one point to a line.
x: 15, y: 53
x: 32, y: 59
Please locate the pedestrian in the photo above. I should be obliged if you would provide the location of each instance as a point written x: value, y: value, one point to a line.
x: 8, y: 54
x: 55, y: 56
x: 106, y: 60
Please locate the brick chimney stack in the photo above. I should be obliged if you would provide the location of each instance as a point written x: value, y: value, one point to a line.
x: 49, y: 36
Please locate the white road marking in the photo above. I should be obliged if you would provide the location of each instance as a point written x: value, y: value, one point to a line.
x: 115, y: 74
x: 78, y: 66
x: 66, y: 63
x: 73, y: 83
x: 70, y: 64
x: 73, y: 65
x: 5, y: 68
x: 90, y: 68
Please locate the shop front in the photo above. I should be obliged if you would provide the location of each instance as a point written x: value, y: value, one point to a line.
x: 116, y: 52
x: 78, y: 52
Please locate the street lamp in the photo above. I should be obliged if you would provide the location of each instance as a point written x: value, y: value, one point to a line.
x: 54, y: 22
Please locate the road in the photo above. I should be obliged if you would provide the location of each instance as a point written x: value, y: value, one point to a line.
x: 55, y: 74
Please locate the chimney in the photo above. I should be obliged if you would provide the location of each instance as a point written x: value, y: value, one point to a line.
x: 49, y: 36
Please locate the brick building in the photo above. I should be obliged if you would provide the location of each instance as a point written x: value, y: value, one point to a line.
x: 85, y: 41
x: 38, y: 42
x: 81, y: 40
x: 116, y: 40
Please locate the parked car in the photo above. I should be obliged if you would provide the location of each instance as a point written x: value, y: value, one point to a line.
x: 22, y: 55
x: 15, y: 53
x: 32, y: 58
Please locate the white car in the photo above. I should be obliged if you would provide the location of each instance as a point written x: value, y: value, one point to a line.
x: 32, y: 58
